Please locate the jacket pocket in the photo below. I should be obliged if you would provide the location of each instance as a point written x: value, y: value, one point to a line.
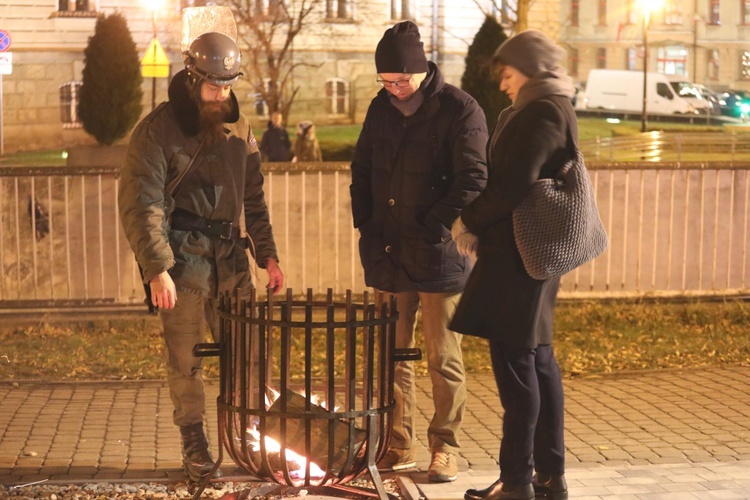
x: 376, y: 262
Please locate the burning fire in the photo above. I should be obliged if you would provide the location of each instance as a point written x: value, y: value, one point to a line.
x: 273, y: 446
x: 297, y: 463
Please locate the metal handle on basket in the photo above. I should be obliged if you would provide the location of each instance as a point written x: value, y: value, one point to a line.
x: 206, y: 350
x: 407, y: 354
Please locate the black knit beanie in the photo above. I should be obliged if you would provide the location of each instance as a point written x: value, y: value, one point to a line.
x: 400, y: 50
x: 530, y: 52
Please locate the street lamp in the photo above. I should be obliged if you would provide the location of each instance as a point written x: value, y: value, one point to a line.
x: 647, y: 6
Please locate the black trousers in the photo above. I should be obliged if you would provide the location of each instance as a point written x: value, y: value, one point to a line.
x: 531, y: 393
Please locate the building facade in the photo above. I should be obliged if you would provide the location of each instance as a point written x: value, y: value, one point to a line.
x: 707, y: 41
x: 336, y: 81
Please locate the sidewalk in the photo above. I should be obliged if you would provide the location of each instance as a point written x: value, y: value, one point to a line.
x: 651, y: 435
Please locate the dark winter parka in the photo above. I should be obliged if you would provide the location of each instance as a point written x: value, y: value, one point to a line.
x: 411, y: 176
x: 501, y: 300
x: 226, y: 177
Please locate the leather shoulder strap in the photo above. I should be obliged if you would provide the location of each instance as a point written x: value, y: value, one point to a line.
x: 176, y: 185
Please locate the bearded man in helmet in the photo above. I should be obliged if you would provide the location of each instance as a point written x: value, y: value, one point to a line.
x: 191, y: 202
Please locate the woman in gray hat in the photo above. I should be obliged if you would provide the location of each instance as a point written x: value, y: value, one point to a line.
x: 533, y: 139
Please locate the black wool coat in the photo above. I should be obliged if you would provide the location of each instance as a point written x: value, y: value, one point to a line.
x: 501, y: 301
x: 411, y: 176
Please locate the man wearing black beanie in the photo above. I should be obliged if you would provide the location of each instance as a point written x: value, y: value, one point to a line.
x: 419, y: 160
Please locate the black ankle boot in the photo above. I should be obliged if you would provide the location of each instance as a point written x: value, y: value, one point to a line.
x: 500, y: 491
x: 196, y: 460
x: 551, y: 487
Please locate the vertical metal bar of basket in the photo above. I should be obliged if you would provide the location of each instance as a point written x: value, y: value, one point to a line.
x: 369, y: 314
x: 286, y: 335
x: 330, y: 373
x: 309, y: 305
x: 244, y: 365
x: 265, y: 311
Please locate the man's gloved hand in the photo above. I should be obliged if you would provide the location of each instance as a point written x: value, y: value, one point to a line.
x: 275, y: 276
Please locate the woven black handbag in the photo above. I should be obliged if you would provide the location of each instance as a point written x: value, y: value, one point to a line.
x: 557, y: 225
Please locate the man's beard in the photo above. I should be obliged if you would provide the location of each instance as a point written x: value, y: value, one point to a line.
x: 212, y: 116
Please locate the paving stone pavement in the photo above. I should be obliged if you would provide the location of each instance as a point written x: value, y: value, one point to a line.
x: 676, y: 434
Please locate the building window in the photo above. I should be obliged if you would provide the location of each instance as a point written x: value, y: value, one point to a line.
x: 338, y: 9
x: 262, y: 8
x: 713, y: 64
x: 403, y: 9
x: 745, y: 12
x: 713, y: 12
x: 601, y: 58
x: 574, y: 7
x: 672, y: 60
x: 631, y: 12
x: 337, y: 96
x: 631, y: 59
x: 602, y: 12
x: 75, y: 8
x: 745, y: 65
x: 69, y: 95
x: 672, y: 12
x: 506, y: 11
x: 573, y: 62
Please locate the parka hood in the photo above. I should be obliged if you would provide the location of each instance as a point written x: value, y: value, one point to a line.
x: 186, y: 109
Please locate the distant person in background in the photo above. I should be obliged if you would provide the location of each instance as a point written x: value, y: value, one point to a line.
x: 306, y: 147
x: 275, y: 144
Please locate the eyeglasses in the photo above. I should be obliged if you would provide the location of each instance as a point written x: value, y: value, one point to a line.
x: 397, y: 84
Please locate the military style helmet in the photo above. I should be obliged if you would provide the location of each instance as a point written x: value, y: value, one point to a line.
x: 213, y: 57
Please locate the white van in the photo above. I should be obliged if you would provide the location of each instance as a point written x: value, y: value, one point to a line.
x: 622, y: 90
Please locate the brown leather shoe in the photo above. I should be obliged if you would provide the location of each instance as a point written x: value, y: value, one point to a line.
x: 498, y: 491
x: 552, y: 487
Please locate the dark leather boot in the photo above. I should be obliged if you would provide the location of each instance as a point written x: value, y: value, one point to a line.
x: 499, y: 491
x: 552, y: 487
x: 196, y: 460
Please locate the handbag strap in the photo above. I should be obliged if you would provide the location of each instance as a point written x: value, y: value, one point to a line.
x: 176, y: 185
x: 568, y: 130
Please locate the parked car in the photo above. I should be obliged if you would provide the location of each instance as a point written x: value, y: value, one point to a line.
x: 690, y: 92
x: 711, y: 96
x: 735, y: 103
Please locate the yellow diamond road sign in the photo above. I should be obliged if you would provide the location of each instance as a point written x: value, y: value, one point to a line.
x: 155, y: 63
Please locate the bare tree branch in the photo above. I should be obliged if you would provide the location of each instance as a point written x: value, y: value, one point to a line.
x: 268, y: 32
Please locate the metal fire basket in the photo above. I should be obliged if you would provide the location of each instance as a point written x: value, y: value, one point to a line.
x: 306, y: 388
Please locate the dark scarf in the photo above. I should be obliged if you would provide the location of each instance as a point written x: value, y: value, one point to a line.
x: 544, y: 84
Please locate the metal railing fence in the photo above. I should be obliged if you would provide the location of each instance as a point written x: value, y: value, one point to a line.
x: 676, y: 229
x: 663, y: 146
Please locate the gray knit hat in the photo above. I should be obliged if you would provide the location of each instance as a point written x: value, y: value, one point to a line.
x: 400, y: 50
x: 530, y: 52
